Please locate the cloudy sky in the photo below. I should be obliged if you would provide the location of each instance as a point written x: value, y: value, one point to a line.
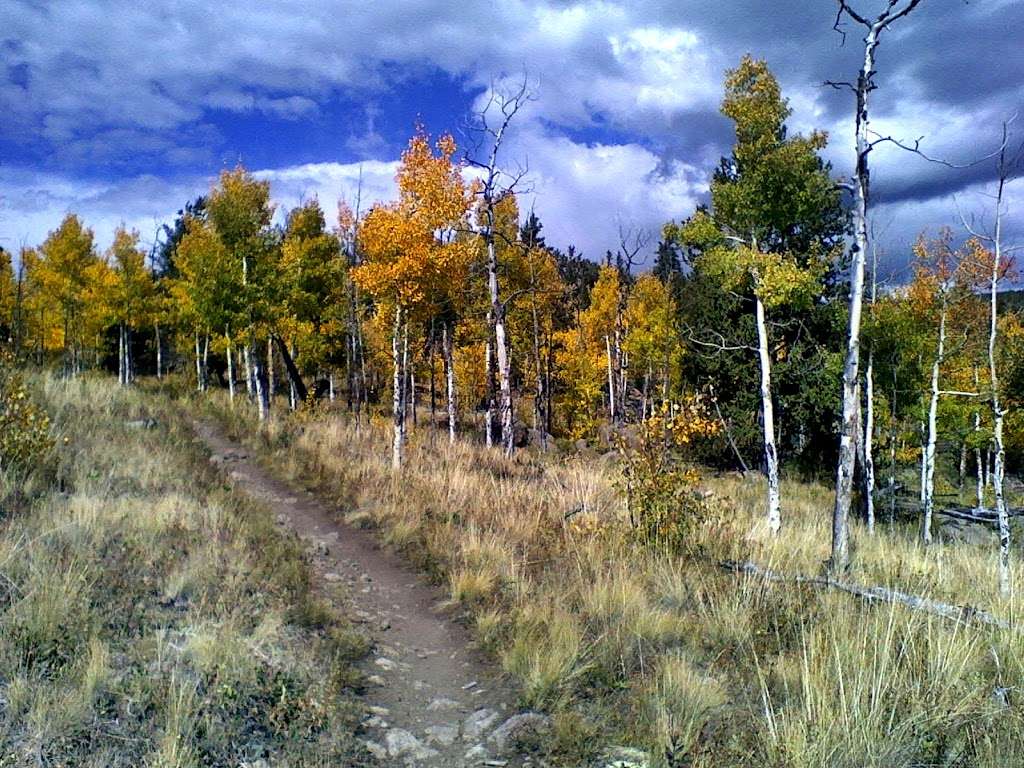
x: 121, y: 111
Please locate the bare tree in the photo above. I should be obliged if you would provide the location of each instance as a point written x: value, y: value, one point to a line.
x: 490, y: 127
x: 1007, y: 166
x: 892, y: 12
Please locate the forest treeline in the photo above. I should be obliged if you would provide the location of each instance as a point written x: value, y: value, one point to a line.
x: 447, y: 308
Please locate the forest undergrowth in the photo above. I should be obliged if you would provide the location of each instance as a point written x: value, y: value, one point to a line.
x: 150, y: 617
x: 625, y: 641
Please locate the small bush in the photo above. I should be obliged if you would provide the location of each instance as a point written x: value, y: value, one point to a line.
x: 662, y: 497
x: 24, y: 426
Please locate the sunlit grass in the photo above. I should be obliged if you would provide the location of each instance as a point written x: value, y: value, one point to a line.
x: 673, y: 653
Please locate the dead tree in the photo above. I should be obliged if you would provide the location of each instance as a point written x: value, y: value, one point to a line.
x: 490, y: 127
x: 893, y: 11
x: 1007, y: 166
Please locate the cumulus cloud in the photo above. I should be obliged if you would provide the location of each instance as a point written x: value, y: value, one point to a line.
x: 625, y: 121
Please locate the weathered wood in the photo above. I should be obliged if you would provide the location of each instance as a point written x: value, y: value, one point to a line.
x: 958, y: 613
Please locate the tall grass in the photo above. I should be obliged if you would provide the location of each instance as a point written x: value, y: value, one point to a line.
x: 150, y: 617
x: 629, y: 644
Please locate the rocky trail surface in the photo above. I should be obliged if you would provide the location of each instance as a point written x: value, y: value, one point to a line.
x: 434, y: 701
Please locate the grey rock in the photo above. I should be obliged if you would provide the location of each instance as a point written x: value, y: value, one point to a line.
x: 478, y: 722
x: 527, y: 726
x: 375, y: 749
x: 401, y: 743
x: 141, y: 424
x: 445, y: 735
x: 441, y: 703
x: 475, y: 753
x: 385, y: 663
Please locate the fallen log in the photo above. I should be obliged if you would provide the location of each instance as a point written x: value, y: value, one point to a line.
x: 957, y: 613
x: 976, y: 515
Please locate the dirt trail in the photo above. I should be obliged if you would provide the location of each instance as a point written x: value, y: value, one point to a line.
x: 434, y: 700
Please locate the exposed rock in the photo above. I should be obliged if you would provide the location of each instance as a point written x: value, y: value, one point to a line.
x: 445, y: 735
x: 624, y: 757
x: 524, y: 728
x: 385, y: 663
x: 375, y: 749
x: 475, y: 753
x: 478, y: 722
x: 442, y: 703
x: 141, y: 424
x: 401, y: 743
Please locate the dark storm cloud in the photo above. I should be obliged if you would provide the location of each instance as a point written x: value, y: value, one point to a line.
x: 629, y: 89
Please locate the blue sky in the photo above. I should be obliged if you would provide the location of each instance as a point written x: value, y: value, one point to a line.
x: 123, y: 111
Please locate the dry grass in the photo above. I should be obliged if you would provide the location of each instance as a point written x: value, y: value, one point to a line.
x: 147, y: 616
x: 631, y: 645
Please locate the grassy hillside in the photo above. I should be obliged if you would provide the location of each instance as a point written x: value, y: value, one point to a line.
x: 149, y: 618
x: 632, y: 644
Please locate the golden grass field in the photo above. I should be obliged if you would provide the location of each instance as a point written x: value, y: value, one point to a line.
x: 633, y: 645
x: 148, y: 616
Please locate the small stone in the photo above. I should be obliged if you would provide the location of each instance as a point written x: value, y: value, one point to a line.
x: 382, y: 711
x: 401, y: 743
x: 467, y: 686
x: 385, y: 663
x: 478, y: 722
x: 445, y: 735
x: 442, y: 703
x: 376, y: 680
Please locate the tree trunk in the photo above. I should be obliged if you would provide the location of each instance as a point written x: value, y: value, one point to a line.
x: 998, y: 413
x: 271, y: 378
x: 121, y: 377
x: 250, y: 384
x: 611, y: 380
x: 500, y: 343
x: 449, y: 377
x: 231, y: 371
x: 929, y: 447
x: 848, y: 431
x: 771, y: 460
x: 200, y: 384
x: 869, y: 442
x: 294, y: 377
x: 492, y: 384
x: 159, y: 353
x: 398, y: 383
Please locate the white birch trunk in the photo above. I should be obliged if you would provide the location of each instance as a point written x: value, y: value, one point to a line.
x: 449, y: 380
x: 199, y: 365
x: 929, y: 453
x: 771, y: 459
x: 611, y: 380
x: 869, y: 442
x: 231, y: 371
x: 397, y: 404
x: 159, y: 353
x: 250, y: 387
x: 500, y: 347
x: 998, y: 413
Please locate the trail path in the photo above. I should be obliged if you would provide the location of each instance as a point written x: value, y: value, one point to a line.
x: 434, y: 701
